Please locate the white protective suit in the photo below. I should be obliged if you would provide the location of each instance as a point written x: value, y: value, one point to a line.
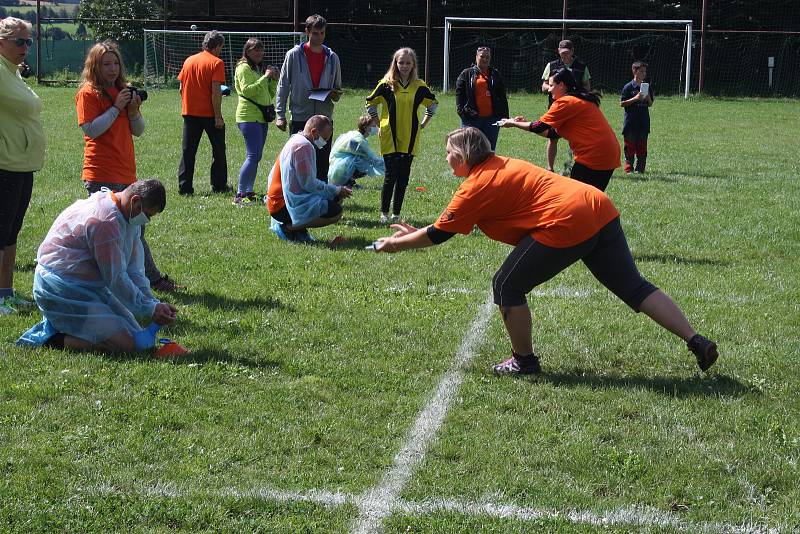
x: 306, y: 197
x: 89, y: 281
x: 351, y: 152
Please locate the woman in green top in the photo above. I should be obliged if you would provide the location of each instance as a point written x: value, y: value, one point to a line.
x: 254, y: 89
x: 21, y: 150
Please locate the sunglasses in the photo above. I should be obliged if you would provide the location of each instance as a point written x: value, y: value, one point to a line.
x: 484, y: 49
x: 20, y: 42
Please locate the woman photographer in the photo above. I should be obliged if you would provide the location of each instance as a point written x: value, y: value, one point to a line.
x: 21, y: 152
x: 256, y: 91
x: 108, y: 114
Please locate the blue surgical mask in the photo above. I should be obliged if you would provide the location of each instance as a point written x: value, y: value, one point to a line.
x: 140, y: 220
x: 320, y: 142
x: 374, y: 130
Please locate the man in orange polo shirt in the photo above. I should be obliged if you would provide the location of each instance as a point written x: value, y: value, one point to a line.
x: 201, y: 106
x: 552, y: 222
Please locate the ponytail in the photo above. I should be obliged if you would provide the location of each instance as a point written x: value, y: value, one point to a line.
x: 565, y: 76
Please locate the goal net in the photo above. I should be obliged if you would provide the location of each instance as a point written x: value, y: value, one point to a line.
x: 166, y: 50
x: 521, y: 48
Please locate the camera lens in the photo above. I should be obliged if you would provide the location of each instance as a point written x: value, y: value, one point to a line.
x: 136, y: 91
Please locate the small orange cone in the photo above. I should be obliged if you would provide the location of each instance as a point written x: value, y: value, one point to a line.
x: 170, y: 348
x: 421, y: 188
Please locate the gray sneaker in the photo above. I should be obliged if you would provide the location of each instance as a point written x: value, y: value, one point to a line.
x: 15, y: 303
x: 513, y: 366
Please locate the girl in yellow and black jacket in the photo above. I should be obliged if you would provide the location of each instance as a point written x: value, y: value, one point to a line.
x: 400, y: 93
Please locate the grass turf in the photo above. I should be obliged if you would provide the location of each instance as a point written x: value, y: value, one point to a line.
x: 309, y: 364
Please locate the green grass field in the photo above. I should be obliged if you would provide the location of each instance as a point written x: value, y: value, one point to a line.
x: 312, y: 365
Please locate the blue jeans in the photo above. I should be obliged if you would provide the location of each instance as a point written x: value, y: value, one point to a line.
x: 255, y: 135
x: 484, y: 124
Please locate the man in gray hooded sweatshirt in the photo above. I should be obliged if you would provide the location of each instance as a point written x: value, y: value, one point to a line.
x: 309, y: 69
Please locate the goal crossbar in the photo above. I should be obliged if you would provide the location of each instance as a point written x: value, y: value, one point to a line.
x: 448, y: 26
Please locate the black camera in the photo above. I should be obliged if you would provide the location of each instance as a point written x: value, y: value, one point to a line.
x: 25, y: 70
x: 141, y: 92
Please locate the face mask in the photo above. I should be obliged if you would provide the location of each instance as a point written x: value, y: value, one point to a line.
x: 374, y: 130
x: 320, y: 142
x: 139, y: 220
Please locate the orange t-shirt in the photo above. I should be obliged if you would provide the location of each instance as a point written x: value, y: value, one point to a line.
x: 483, y: 97
x: 196, y: 76
x: 510, y: 198
x: 109, y: 157
x: 275, y: 201
x: 590, y: 136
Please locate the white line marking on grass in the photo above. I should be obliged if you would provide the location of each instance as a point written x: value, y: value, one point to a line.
x: 635, y: 515
x: 639, y: 516
x: 380, y: 501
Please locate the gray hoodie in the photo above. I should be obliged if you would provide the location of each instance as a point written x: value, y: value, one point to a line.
x: 295, y: 84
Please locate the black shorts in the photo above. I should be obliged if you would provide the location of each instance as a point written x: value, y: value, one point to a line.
x: 15, y: 196
x: 584, y: 174
x: 282, y: 216
x: 606, y: 254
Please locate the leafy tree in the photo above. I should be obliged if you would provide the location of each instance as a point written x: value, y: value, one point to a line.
x: 118, y: 19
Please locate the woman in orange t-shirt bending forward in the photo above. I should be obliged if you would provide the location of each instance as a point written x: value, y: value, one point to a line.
x: 552, y: 222
x: 575, y: 115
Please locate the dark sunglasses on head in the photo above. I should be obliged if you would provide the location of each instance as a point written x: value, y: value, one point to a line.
x: 19, y: 41
x: 484, y: 49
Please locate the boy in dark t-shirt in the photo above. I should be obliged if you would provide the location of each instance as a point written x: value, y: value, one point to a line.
x: 636, y: 98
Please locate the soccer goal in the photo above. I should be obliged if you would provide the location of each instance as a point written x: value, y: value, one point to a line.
x: 522, y: 47
x: 166, y: 50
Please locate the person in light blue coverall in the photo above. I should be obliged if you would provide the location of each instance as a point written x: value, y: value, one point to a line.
x: 352, y: 157
x: 296, y: 199
x: 89, y: 282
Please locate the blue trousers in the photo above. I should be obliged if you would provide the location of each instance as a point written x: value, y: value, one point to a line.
x: 255, y: 136
x: 484, y: 124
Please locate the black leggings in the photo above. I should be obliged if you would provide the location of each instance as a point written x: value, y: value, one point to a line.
x: 15, y: 196
x: 584, y: 174
x: 606, y: 254
x: 398, y: 170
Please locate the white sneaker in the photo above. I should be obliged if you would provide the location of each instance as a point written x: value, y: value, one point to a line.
x: 384, y: 218
x: 5, y: 310
x: 394, y: 219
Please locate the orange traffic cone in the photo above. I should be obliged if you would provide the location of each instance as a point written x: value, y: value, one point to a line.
x: 170, y: 348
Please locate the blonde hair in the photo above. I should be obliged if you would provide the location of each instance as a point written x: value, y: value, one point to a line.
x: 94, y: 61
x: 470, y: 144
x: 9, y: 27
x: 392, y: 75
